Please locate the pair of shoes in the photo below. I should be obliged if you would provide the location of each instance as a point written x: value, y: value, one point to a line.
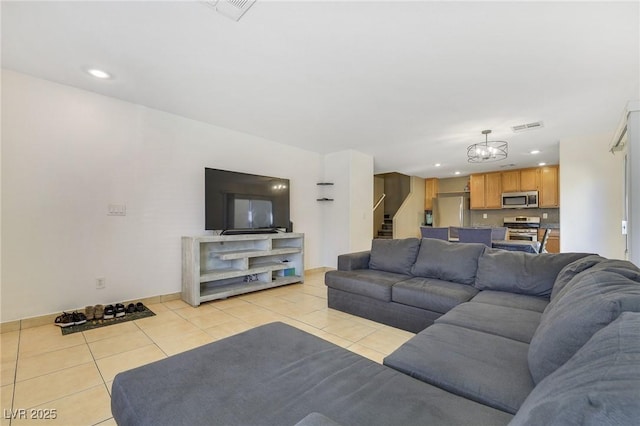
x: 67, y: 320
x: 111, y: 311
x: 138, y: 307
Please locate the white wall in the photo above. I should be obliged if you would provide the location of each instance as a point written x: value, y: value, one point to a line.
x: 633, y: 179
x: 591, y: 188
x: 352, y: 175
x: 68, y: 154
x: 410, y: 215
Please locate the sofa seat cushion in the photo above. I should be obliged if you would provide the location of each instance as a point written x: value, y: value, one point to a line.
x: 512, y: 300
x: 599, y: 385
x: 431, y: 294
x: 366, y: 282
x: 521, y: 273
x: 595, y: 300
x: 447, y: 261
x: 276, y: 375
x: 483, y: 367
x: 394, y: 255
x: 513, y: 323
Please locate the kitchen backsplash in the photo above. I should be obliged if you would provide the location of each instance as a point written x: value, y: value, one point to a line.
x: 494, y: 217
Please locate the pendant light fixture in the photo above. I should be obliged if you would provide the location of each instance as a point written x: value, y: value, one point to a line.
x: 484, y: 152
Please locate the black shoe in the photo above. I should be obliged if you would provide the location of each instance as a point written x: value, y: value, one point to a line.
x: 131, y: 308
x: 120, y: 311
x: 140, y: 307
x: 64, y: 320
x: 78, y: 318
x: 109, y: 312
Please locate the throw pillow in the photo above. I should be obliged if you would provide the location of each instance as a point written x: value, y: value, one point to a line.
x: 447, y: 261
x: 594, y: 301
x: 599, y: 385
x: 394, y: 255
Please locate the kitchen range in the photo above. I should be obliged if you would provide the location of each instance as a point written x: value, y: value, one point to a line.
x: 523, y: 228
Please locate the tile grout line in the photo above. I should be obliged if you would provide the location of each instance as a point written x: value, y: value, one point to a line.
x: 15, y: 374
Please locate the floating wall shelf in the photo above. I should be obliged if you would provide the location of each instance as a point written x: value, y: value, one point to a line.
x: 324, y: 184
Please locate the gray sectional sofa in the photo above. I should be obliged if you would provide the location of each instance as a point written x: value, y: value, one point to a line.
x: 502, y: 338
x: 410, y: 283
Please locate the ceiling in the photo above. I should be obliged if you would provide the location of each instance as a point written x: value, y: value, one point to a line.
x: 410, y: 83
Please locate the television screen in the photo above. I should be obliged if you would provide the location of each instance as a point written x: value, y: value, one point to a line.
x: 241, y: 201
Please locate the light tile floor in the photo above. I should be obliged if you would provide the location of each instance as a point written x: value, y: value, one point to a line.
x: 43, y: 371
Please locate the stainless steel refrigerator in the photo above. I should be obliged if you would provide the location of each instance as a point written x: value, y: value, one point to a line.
x: 451, y: 211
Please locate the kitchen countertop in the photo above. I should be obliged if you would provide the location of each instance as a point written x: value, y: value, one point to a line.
x: 550, y: 225
x: 512, y: 245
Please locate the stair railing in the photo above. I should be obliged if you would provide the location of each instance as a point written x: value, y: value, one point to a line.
x: 379, y: 202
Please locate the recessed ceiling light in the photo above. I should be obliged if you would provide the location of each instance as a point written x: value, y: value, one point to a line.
x: 437, y: 164
x: 535, y: 151
x: 542, y: 164
x: 456, y: 173
x: 99, y: 73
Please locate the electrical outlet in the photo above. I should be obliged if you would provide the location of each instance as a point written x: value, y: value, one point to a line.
x: 100, y: 283
x: 117, y: 210
x: 545, y: 215
x: 484, y: 215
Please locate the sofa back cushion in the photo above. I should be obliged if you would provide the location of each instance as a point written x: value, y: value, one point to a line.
x: 442, y: 260
x: 567, y: 273
x: 591, y: 264
x: 599, y: 385
x: 394, y: 255
x: 520, y: 272
x: 594, y: 299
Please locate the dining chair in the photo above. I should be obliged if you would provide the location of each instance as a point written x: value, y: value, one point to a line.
x: 499, y: 233
x: 437, y: 233
x: 543, y: 243
x: 475, y: 235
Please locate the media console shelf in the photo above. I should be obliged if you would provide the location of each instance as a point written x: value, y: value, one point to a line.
x: 217, y: 267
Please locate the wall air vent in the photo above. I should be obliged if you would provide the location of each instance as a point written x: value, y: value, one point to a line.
x: 233, y: 9
x: 528, y: 126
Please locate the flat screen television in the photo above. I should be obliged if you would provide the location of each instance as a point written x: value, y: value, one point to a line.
x: 245, y: 203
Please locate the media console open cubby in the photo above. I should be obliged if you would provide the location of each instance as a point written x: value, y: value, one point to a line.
x: 217, y: 267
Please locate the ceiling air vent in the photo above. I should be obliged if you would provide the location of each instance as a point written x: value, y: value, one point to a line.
x: 233, y: 9
x: 528, y: 126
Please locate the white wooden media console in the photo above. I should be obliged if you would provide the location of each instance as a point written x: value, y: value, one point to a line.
x: 217, y: 267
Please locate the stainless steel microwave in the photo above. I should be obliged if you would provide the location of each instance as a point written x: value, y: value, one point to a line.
x: 520, y: 200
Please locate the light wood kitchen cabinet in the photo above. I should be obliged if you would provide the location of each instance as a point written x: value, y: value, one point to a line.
x: 511, y: 181
x: 529, y: 180
x: 476, y: 186
x: 521, y: 180
x: 549, y: 195
x: 486, y: 190
x: 430, y: 192
x: 493, y: 188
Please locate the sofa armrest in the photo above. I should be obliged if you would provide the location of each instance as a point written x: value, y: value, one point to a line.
x: 352, y: 261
